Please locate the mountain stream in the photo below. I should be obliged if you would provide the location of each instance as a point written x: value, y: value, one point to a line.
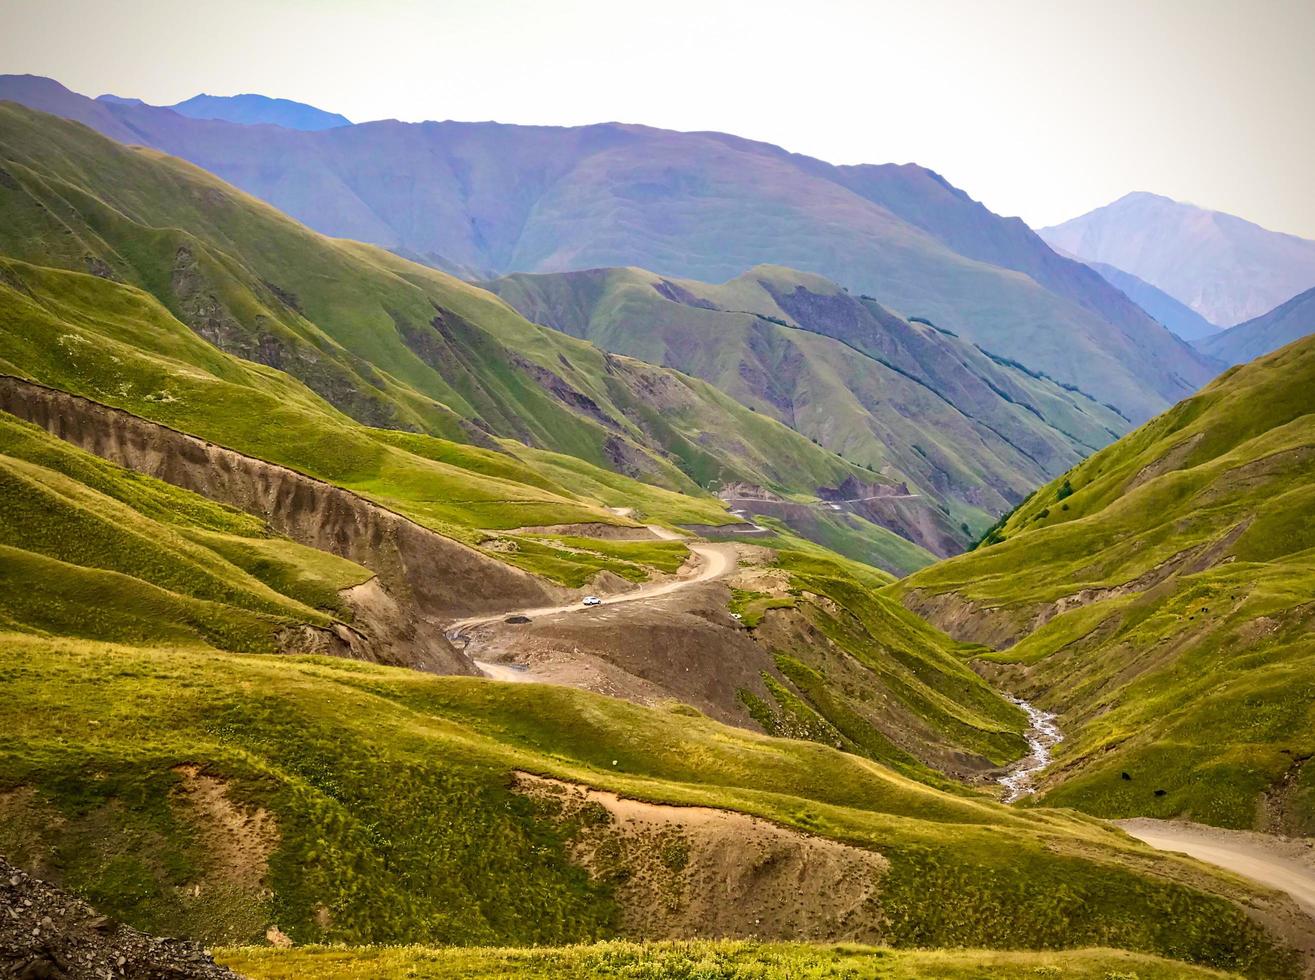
x: 1042, y: 735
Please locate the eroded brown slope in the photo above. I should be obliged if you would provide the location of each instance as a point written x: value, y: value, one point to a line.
x: 423, y: 579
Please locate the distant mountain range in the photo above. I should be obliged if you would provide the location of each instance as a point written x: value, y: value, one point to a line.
x: 248, y: 110
x: 483, y: 199
x: 1291, y: 321
x: 1226, y: 269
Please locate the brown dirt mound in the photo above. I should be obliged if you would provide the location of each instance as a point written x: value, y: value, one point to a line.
x: 688, y: 871
x: 683, y: 645
x: 47, y: 935
x: 239, y: 840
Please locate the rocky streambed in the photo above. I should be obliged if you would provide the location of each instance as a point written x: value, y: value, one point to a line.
x: 1042, y: 736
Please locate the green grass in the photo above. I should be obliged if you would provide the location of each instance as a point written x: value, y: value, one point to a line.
x: 1185, y: 662
x: 574, y: 561
x: 390, y: 789
x: 902, y: 659
x: 95, y: 551
x: 751, y: 606
x: 845, y: 536
x: 395, y: 822
x: 91, y: 337
x: 911, y: 403
x: 386, y: 342
x: 699, y: 960
x: 665, y: 556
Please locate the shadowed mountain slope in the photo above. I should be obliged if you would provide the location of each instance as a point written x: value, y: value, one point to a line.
x: 1158, y: 597
x: 1223, y: 267
x: 1291, y: 321
x: 970, y: 431
x: 1184, y: 321
x: 482, y: 198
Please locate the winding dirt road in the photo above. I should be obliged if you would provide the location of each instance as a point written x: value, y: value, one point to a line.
x: 1284, y: 865
x: 715, y: 560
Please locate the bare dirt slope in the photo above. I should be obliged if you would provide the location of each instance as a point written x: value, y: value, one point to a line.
x: 689, y: 871
x: 671, y: 638
x: 714, y: 561
x: 680, y: 645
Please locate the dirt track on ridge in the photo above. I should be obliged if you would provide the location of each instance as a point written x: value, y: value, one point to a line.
x: 715, y: 561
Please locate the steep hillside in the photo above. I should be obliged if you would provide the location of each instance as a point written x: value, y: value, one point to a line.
x: 1223, y: 267
x: 81, y: 564
x: 483, y: 198
x: 1178, y: 317
x: 1291, y: 321
x: 94, y: 551
x: 1158, y: 597
x: 923, y: 408
x: 118, y: 346
x: 389, y: 343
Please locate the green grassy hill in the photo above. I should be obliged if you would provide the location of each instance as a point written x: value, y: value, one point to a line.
x: 858, y: 671
x: 719, y: 960
x: 384, y: 341
x: 1158, y: 597
x: 95, y: 551
x: 214, y: 794
x: 116, y: 345
x: 917, y: 404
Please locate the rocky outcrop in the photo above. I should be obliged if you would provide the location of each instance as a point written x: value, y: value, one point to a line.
x: 45, y: 933
x: 427, y: 579
x: 998, y: 627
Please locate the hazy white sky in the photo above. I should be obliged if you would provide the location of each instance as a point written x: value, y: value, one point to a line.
x: 1040, y: 109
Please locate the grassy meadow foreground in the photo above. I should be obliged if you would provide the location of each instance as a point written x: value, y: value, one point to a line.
x: 228, y: 792
x: 701, y: 960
